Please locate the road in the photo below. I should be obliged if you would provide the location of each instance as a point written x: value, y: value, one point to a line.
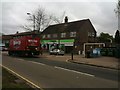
x: 96, y: 71
x: 0, y: 72
x: 49, y: 74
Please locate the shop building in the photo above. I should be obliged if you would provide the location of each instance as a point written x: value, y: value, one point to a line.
x: 71, y: 36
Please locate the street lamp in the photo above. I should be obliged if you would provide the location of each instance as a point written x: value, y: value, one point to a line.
x: 33, y: 20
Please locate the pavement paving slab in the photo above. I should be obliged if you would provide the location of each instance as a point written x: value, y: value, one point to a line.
x: 102, y: 61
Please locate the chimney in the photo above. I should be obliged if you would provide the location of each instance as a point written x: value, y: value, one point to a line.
x: 66, y: 19
x: 17, y: 32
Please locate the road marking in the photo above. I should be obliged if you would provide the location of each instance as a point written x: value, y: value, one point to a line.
x: 22, y: 77
x: 36, y: 62
x: 64, y: 68
x: 20, y: 59
x: 74, y: 71
x: 31, y: 61
x: 67, y: 60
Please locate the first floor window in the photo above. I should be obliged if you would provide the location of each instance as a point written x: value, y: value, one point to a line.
x: 48, y: 36
x: 54, y: 35
x: 72, y: 34
x: 63, y: 35
x: 91, y: 34
x: 43, y: 36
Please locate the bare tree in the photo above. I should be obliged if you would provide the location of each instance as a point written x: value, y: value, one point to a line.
x: 26, y: 27
x: 117, y: 10
x: 59, y: 19
x: 42, y: 19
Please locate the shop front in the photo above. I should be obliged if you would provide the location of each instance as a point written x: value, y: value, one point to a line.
x: 63, y: 44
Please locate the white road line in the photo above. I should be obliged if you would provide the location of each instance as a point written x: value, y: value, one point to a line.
x: 30, y: 82
x: 66, y: 60
x: 74, y: 71
x: 20, y: 59
x: 31, y: 61
x: 36, y: 63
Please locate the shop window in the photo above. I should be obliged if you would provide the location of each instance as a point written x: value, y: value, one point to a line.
x: 63, y: 35
x: 72, y: 34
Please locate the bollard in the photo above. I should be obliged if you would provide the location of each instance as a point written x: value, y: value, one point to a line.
x: 72, y: 55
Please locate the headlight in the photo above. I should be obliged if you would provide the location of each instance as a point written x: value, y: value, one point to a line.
x: 27, y: 48
x: 36, y: 48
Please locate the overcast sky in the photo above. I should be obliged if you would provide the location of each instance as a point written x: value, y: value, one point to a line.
x: 100, y: 12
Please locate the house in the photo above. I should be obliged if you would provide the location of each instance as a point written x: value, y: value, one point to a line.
x: 71, y: 36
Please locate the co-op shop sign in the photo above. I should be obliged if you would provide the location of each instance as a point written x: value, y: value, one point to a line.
x: 55, y: 41
x: 66, y: 42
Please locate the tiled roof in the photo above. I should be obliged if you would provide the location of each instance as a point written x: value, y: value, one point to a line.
x: 26, y: 33
x: 70, y: 26
x: 6, y: 37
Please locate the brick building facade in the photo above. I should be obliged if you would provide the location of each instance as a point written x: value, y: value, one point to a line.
x: 70, y: 35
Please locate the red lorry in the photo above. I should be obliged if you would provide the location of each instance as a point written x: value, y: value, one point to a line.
x: 24, y: 45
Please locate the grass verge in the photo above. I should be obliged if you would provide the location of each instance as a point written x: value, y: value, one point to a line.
x: 9, y: 81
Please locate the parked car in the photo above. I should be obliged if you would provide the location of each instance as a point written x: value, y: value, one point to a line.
x: 3, y: 48
x: 0, y: 48
x: 57, y: 52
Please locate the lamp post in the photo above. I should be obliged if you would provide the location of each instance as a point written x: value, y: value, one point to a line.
x: 33, y: 20
x: 72, y: 50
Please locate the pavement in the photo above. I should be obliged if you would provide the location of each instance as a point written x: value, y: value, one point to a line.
x: 102, y: 61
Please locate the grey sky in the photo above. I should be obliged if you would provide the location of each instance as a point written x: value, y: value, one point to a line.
x: 101, y: 13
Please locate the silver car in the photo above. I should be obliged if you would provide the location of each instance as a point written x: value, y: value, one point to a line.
x: 57, y: 52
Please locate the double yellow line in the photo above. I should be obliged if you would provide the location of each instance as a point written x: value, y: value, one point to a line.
x: 28, y: 81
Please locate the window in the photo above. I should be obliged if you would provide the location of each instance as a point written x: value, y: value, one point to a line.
x: 54, y: 35
x: 91, y: 34
x: 48, y: 36
x: 43, y: 36
x: 63, y: 35
x: 72, y: 34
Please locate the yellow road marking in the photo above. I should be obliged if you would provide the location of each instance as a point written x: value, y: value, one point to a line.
x: 22, y: 77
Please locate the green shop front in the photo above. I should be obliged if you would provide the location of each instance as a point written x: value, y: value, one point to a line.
x: 63, y: 44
